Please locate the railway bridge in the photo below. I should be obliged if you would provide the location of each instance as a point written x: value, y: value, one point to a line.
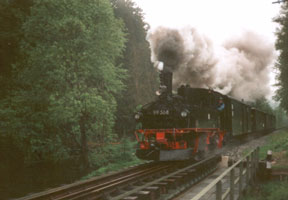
x: 208, y: 179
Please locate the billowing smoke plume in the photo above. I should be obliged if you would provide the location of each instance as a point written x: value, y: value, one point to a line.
x: 192, y: 53
x: 168, y: 47
x: 244, y: 67
x: 238, y: 68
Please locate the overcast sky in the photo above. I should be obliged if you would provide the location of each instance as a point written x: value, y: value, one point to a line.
x: 218, y: 19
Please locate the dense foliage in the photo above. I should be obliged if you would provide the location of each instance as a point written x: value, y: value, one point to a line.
x: 280, y: 114
x: 66, y: 79
x: 69, y: 71
x: 71, y: 74
x: 263, y: 104
x: 282, y: 64
x: 12, y: 16
x: 276, y: 190
x: 142, y: 76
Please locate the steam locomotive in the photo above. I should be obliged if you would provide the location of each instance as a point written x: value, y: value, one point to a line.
x: 193, y: 122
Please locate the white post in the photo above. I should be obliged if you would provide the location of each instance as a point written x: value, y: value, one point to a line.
x: 269, y: 164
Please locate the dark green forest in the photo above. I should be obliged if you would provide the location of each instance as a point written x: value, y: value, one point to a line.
x: 71, y: 75
x: 69, y: 70
x: 282, y: 61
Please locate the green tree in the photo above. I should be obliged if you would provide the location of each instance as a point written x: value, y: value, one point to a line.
x: 278, y: 111
x: 263, y: 105
x: 281, y: 117
x: 12, y: 15
x: 142, y: 76
x: 282, y: 63
x: 68, y: 80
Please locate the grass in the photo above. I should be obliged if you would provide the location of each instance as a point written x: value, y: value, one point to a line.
x: 278, y: 143
x: 111, y: 168
x: 268, y: 191
x: 113, y: 158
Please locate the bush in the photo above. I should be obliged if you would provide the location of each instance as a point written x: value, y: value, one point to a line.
x: 113, y: 157
x: 277, y: 142
x: 269, y: 191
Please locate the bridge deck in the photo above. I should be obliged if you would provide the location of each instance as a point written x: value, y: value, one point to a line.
x: 211, y: 195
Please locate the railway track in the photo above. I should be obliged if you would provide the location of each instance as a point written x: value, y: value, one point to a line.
x: 56, y: 193
x: 148, y: 181
x: 153, y: 180
x: 174, y: 183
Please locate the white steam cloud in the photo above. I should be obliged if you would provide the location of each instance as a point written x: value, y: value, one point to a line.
x: 239, y: 68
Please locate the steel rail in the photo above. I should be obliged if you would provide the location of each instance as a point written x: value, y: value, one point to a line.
x: 97, y: 189
x: 198, y: 164
x: 56, y: 192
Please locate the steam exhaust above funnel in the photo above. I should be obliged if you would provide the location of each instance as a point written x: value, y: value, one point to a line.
x: 165, y: 76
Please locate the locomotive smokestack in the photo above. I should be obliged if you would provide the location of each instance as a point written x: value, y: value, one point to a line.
x: 168, y: 48
x: 166, y: 77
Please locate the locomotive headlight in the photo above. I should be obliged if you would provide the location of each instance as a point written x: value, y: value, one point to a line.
x: 160, y: 66
x: 137, y: 116
x: 184, y: 113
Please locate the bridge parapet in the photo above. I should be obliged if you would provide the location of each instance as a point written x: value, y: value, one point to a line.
x: 231, y: 183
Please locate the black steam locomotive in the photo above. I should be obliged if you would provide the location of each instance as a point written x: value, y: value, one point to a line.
x: 193, y: 122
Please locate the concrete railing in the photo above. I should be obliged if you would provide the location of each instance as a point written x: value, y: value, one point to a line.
x: 246, y: 168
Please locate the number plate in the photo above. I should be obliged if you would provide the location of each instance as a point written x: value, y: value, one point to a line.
x: 160, y: 112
